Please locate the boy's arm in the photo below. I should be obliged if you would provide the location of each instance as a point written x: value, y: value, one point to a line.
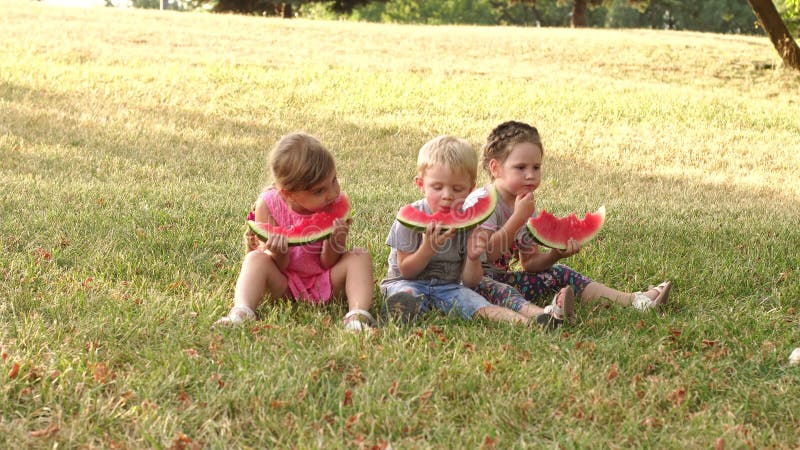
x: 412, y: 264
x: 472, y: 272
x: 276, y: 246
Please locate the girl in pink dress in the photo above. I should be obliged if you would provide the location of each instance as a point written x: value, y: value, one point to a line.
x: 304, y: 176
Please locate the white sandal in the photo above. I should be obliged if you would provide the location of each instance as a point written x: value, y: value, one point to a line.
x: 362, y: 320
x: 644, y: 303
x: 237, y: 315
x: 566, y: 312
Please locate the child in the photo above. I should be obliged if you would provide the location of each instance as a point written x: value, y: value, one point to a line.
x: 437, y: 268
x: 513, y: 157
x: 304, y: 176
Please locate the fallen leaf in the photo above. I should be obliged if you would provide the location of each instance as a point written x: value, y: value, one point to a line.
x: 354, y: 377
x: 184, y: 399
x: 14, y: 371
x: 218, y: 378
x: 425, y: 395
x: 352, y: 420
x: 527, y: 405
x: 652, y: 422
x: 677, y: 396
x: 183, y: 442
x: 348, y: 398
x: 102, y: 375
x: 42, y: 255
x: 381, y: 445
x: 50, y: 431
x: 613, y: 372
x: 277, y: 404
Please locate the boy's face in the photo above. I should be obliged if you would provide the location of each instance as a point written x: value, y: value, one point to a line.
x: 444, y: 188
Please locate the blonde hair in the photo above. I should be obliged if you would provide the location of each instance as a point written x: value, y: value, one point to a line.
x: 504, y: 137
x: 299, y: 161
x: 449, y: 151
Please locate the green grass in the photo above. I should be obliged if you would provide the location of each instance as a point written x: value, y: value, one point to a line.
x: 133, y: 142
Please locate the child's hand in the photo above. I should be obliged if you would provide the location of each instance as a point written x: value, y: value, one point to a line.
x: 277, y: 244
x: 476, y: 245
x: 435, y: 236
x: 341, y: 228
x: 525, y: 204
x: 573, y: 247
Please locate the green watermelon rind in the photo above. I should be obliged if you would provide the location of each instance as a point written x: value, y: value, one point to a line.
x: 323, y: 233
x: 464, y: 226
x: 262, y: 234
x: 541, y: 240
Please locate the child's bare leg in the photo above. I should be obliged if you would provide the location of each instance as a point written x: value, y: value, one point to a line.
x: 501, y: 314
x: 259, y: 275
x: 531, y: 310
x: 595, y: 291
x: 353, y: 276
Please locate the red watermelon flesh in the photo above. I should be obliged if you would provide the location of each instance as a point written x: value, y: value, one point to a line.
x: 311, y: 228
x: 554, y: 232
x: 477, y: 207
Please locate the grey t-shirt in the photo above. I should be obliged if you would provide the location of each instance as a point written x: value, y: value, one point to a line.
x: 446, y: 264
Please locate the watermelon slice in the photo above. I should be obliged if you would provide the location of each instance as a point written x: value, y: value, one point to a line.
x: 477, y: 207
x: 312, y: 228
x: 554, y: 232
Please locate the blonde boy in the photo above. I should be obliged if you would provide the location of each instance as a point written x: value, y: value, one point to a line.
x: 437, y: 268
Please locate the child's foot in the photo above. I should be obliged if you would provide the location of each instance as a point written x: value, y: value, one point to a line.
x: 563, y: 306
x: 235, y: 317
x: 655, y: 298
x: 358, y: 320
x: 402, y: 306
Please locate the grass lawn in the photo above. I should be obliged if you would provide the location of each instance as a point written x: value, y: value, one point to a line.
x: 132, y: 144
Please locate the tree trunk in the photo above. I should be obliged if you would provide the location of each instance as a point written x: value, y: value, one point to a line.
x: 772, y: 23
x: 287, y: 11
x: 578, y: 19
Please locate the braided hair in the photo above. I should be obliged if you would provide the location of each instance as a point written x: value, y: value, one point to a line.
x: 504, y: 137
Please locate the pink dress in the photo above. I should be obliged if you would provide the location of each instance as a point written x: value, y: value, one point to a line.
x: 308, y: 280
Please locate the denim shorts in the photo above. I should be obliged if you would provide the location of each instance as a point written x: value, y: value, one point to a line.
x: 446, y: 296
